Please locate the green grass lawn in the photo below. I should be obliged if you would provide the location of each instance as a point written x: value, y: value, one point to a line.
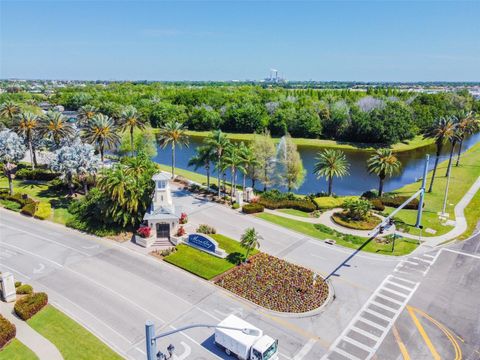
x: 330, y: 202
x: 462, y: 178
x: 472, y: 214
x: 202, y: 264
x: 295, y: 212
x: 402, y: 246
x: 72, y: 340
x: 416, y: 142
x: 17, y: 351
x: 39, y: 190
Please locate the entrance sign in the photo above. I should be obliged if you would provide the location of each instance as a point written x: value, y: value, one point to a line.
x: 205, y: 243
x: 7, y: 287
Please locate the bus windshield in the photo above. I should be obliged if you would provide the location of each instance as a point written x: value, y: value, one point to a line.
x: 272, y: 350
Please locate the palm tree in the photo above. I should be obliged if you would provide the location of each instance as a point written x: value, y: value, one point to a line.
x: 234, y: 160
x: 250, y: 163
x: 250, y: 240
x: 383, y: 163
x: 55, y: 126
x: 331, y: 163
x: 86, y: 113
x: 442, y: 130
x: 130, y: 120
x: 173, y: 133
x: 9, y: 110
x: 453, y: 141
x: 102, y: 132
x: 27, y: 125
x: 218, y: 141
x: 203, y: 158
x: 467, y: 125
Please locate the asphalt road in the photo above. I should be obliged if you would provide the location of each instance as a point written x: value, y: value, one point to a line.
x: 113, y: 290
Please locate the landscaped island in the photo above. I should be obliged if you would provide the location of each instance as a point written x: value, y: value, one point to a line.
x: 276, y: 284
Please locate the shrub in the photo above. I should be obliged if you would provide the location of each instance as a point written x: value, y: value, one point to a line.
x: 95, y: 229
x: 37, y: 174
x: 357, y: 209
x: 44, y: 211
x: 252, y: 208
x: 24, y: 289
x: 168, y: 251
x: 235, y: 206
x: 370, y: 194
x: 298, y: 204
x: 325, y: 229
x: 206, y: 229
x: 29, y: 209
x: 7, y: 331
x: 18, y: 283
x: 181, y: 231
x: 183, y: 218
x: 398, y: 200
x: 331, y: 202
x: 377, y: 204
x: 276, y: 195
x: 29, y: 305
x: 144, y: 231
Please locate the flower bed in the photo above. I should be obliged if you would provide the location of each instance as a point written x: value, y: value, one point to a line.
x: 7, y: 331
x: 276, y: 284
x: 369, y: 223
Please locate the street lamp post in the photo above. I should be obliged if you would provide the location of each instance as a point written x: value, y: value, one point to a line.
x: 151, y: 339
x: 446, y: 190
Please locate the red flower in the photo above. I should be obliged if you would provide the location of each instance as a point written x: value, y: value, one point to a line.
x: 144, y: 231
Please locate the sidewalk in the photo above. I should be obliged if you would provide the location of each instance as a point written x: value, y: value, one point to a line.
x: 43, y: 348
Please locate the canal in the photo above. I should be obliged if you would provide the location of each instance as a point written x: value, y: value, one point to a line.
x: 359, y: 179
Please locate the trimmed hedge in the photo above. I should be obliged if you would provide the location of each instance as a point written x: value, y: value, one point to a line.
x: 301, y: 205
x: 29, y: 209
x: 330, y: 202
x: 44, y: 211
x: 252, y: 208
x: 399, y: 200
x: 24, y: 289
x: 7, y: 331
x: 29, y: 305
x: 37, y: 174
x: 377, y: 204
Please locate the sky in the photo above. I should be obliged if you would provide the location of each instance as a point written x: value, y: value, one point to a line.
x: 239, y: 40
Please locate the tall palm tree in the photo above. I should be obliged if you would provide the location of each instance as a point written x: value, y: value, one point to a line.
x: 86, y: 113
x: 8, y: 110
x: 173, y: 133
x: 468, y: 124
x: 250, y: 163
x: 383, y: 163
x: 250, y: 240
x: 234, y: 160
x: 329, y: 164
x: 218, y: 141
x: 442, y: 130
x: 130, y: 120
x: 203, y: 158
x: 54, y: 125
x: 102, y: 132
x: 27, y: 125
x: 453, y: 142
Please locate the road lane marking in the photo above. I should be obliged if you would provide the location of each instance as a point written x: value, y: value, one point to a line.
x: 16, y: 271
x: 48, y: 240
x: 31, y: 253
x: 462, y: 253
x: 401, y: 345
x: 424, y: 334
x: 305, y: 349
x: 444, y: 329
x: 364, y: 333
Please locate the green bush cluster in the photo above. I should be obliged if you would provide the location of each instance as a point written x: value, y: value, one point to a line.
x: 331, y: 202
x: 206, y: 229
x: 377, y: 204
x: 398, y: 200
x: 27, y: 205
x: 252, y: 208
x: 36, y: 174
x: 7, y: 331
x: 29, y: 305
x: 10, y: 205
x: 235, y: 206
x: 44, y: 211
x: 29, y: 208
x: 24, y: 289
x: 304, y: 205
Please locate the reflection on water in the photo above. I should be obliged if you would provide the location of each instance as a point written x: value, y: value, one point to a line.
x: 359, y: 179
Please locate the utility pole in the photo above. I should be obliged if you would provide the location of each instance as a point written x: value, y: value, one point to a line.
x: 422, y: 194
x: 446, y: 189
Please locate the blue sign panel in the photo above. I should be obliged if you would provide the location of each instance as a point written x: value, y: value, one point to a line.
x: 202, y: 241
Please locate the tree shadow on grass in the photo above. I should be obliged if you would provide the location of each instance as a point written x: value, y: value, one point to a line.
x: 235, y: 258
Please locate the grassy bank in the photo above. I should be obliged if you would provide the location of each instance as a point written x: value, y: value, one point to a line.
x: 402, y: 246
x: 415, y: 143
x: 40, y: 191
x: 462, y: 178
x: 205, y: 265
x: 71, y: 339
x: 17, y: 351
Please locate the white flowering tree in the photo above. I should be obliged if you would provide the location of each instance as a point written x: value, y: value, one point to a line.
x: 12, y: 150
x: 76, y: 160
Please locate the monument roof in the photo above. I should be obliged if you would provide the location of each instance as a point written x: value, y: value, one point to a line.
x: 161, y: 176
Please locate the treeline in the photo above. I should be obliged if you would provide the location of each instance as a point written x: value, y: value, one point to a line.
x: 378, y: 115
